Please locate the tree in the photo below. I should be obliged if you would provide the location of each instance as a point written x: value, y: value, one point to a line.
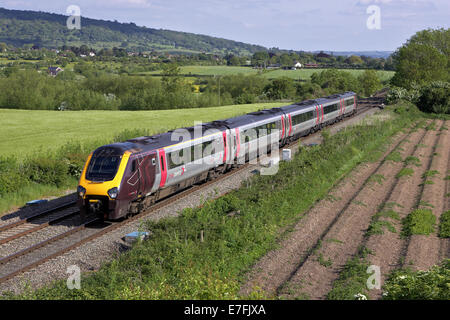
x: 260, y: 58
x: 171, y: 78
x: 369, y: 82
x: 280, y: 88
x: 354, y: 60
x: 435, y: 97
x: 285, y: 60
x: 424, y: 58
x: 420, y: 64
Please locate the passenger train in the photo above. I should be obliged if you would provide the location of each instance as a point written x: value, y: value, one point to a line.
x: 121, y: 179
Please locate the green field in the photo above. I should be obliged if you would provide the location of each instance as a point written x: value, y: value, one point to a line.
x: 301, y: 74
x: 305, y: 74
x: 209, y: 70
x: 26, y: 132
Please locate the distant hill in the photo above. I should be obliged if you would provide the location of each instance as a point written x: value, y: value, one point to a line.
x: 49, y: 30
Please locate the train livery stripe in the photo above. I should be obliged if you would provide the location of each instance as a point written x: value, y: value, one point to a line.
x: 290, y: 125
x: 238, y: 140
x: 162, y: 158
x: 317, y: 112
x: 282, y: 126
x: 224, y: 146
x: 321, y: 107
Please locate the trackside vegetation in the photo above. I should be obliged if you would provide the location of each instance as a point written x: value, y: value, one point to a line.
x: 176, y: 264
x: 405, y: 284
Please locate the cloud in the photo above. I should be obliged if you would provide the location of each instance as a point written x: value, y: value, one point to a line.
x: 124, y: 3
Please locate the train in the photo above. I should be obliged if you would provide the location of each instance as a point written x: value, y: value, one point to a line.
x: 121, y: 179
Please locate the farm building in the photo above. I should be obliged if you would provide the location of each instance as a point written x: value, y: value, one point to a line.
x: 53, y: 71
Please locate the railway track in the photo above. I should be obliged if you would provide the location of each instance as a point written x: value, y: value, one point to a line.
x: 35, y: 255
x: 35, y: 222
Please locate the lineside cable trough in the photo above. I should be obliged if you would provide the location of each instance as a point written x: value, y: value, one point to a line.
x: 135, y: 235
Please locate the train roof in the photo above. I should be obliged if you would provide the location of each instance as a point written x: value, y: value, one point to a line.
x: 303, y: 105
x: 251, y: 117
x: 148, y: 143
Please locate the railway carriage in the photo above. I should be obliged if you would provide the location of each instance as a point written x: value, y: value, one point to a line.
x: 121, y: 179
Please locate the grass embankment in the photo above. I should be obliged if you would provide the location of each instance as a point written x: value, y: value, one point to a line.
x: 42, y: 152
x: 175, y: 264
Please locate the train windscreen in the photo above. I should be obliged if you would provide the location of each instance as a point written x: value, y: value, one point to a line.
x: 103, y: 166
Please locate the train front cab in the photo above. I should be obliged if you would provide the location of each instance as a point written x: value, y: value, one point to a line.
x: 99, y: 189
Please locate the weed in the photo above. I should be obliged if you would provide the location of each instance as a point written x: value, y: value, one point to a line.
x: 412, y: 160
x: 377, y: 226
x: 444, y: 226
x: 431, y: 126
x: 325, y: 263
x: 352, y: 280
x: 359, y: 203
x: 430, y: 173
x: 425, y: 204
x: 334, y: 240
x: 405, y: 172
x: 378, y: 178
x: 420, y: 221
x: 394, y: 156
x: 406, y: 284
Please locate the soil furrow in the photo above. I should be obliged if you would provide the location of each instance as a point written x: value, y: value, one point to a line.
x: 314, y: 278
x: 275, y: 268
x: 386, y: 248
x: 423, y: 251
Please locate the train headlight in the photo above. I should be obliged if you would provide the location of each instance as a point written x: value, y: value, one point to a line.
x: 81, y: 191
x: 113, y: 193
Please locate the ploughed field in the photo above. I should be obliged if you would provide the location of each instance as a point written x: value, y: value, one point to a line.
x: 364, y: 213
x: 25, y: 132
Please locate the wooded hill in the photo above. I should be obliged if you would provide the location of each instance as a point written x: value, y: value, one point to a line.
x: 49, y: 30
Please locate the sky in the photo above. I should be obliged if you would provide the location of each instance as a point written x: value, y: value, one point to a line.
x: 331, y: 25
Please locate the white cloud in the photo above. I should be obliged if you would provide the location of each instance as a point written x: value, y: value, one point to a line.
x: 125, y: 3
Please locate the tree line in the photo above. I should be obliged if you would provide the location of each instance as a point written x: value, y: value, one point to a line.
x: 87, y: 88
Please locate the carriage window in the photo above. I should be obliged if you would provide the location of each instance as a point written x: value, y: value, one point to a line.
x: 349, y: 102
x: 162, y: 164
x: 331, y: 108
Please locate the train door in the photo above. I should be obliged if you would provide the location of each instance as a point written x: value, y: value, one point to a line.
x: 148, y: 172
x: 133, y: 176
